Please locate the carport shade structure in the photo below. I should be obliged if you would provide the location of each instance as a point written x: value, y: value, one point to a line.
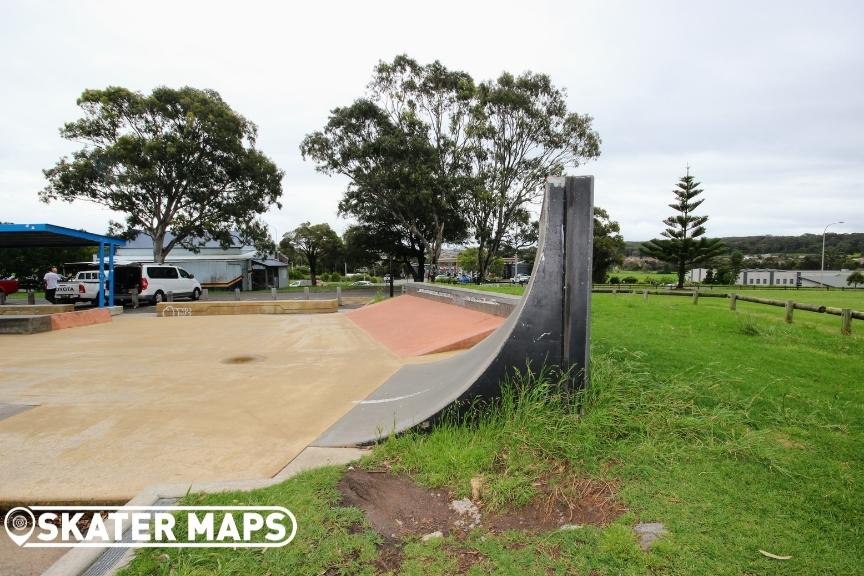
x: 51, y: 236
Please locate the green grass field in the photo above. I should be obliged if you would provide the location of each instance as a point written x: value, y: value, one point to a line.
x: 736, y: 431
x: 837, y: 298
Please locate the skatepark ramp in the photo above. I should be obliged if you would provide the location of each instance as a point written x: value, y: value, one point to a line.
x: 550, y: 326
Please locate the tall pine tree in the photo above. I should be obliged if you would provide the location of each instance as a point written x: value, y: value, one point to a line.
x: 685, y: 243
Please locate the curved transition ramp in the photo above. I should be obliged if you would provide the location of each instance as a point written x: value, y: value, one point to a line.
x: 550, y: 325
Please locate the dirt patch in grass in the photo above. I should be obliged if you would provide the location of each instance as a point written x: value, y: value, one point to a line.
x: 398, y: 508
x: 395, y: 506
x: 578, y: 501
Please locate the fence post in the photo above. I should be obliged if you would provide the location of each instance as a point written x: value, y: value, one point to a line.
x: 135, y: 298
x: 236, y: 294
x: 305, y: 292
x: 2, y: 298
x: 170, y: 296
x: 733, y: 301
x: 338, y: 295
x: 696, y: 297
x: 273, y: 293
x: 790, y: 308
x: 846, y: 321
x: 31, y: 296
x: 614, y: 291
x: 644, y: 294
x: 205, y: 293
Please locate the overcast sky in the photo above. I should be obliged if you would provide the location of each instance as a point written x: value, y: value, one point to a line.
x: 764, y: 100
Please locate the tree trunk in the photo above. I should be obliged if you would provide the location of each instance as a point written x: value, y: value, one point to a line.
x: 435, y: 248
x: 681, y: 272
x: 158, y: 249
x: 407, y: 264
x: 481, y: 262
x: 313, y: 264
x: 420, y: 274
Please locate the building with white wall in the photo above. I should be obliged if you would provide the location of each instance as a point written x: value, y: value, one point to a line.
x: 215, y: 267
x: 793, y: 278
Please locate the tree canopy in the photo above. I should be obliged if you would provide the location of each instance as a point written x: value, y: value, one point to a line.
x: 608, y: 247
x: 403, y: 149
x: 176, y: 160
x: 523, y: 134
x: 315, y: 242
x: 685, y: 243
x: 436, y: 156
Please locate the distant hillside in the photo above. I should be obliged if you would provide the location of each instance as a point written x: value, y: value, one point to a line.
x: 805, y: 244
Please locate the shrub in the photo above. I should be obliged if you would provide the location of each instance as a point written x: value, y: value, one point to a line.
x: 614, y: 280
x: 630, y: 280
x: 296, y: 274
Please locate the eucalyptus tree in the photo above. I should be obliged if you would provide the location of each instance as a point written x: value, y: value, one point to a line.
x: 388, y: 170
x: 315, y: 242
x: 685, y: 243
x: 523, y: 133
x: 174, y: 161
x: 406, y: 152
x: 440, y: 101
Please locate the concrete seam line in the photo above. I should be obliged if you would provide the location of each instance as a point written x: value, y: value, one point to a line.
x: 77, y: 560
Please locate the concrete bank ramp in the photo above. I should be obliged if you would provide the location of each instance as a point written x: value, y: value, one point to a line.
x: 549, y: 325
x: 412, y: 326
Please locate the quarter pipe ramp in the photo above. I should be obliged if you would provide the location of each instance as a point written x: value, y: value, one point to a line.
x: 550, y: 325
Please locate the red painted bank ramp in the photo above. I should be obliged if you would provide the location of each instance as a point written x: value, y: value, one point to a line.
x: 413, y: 326
x: 549, y: 325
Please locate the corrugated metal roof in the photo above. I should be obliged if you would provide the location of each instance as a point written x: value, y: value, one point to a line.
x: 143, y: 240
x: 271, y: 263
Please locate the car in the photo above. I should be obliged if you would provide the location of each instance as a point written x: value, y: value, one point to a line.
x: 83, y: 287
x: 157, y: 280
x: 8, y: 285
x: 520, y: 279
x: 442, y: 278
x: 361, y: 283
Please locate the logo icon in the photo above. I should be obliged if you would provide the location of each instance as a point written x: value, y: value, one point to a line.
x: 19, y: 524
x: 150, y: 526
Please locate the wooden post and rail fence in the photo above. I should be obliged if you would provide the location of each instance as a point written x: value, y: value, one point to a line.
x: 846, y: 314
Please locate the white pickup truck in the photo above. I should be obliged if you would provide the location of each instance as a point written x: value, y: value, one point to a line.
x: 83, y: 287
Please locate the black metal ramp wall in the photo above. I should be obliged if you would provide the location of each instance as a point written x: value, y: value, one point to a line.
x: 550, y: 325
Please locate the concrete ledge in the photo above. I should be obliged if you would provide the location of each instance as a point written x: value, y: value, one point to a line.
x: 19, y: 324
x: 479, y: 300
x: 34, y: 309
x: 230, y: 308
x: 80, y: 318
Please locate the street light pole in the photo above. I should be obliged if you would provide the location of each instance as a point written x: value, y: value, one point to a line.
x: 822, y: 269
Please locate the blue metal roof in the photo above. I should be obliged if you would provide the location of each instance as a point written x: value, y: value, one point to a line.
x: 49, y: 235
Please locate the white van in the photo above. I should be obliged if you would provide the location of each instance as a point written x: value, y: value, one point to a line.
x: 159, y: 279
